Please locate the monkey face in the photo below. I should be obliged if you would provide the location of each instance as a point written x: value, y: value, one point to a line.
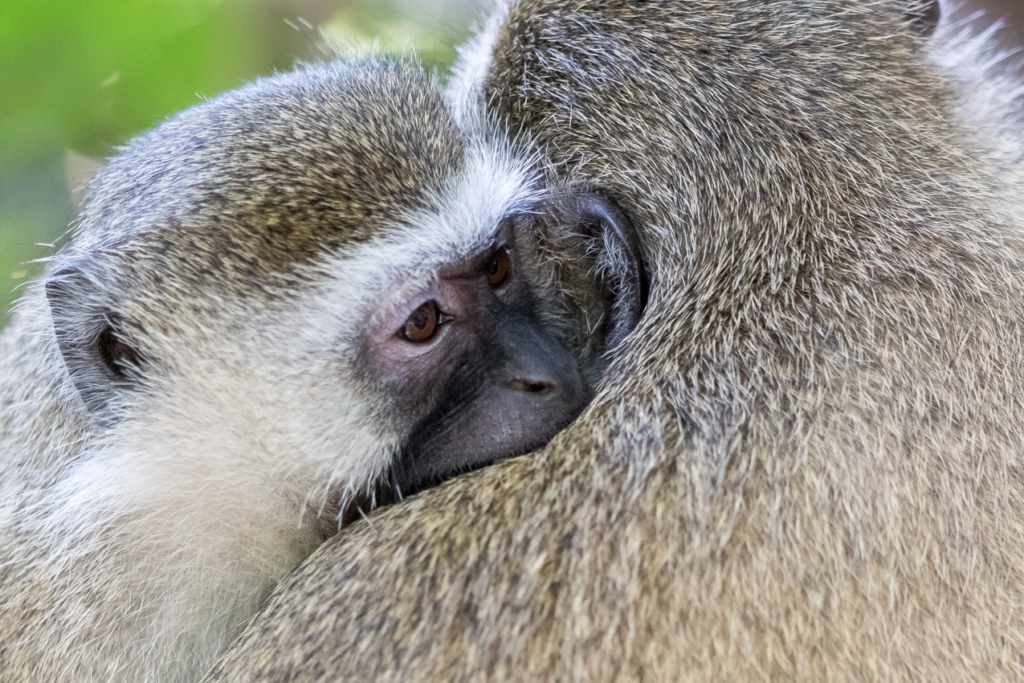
x: 463, y: 336
x: 323, y: 280
x: 276, y: 303
x: 471, y: 369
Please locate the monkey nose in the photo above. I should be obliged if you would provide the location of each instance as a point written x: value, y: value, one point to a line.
x: 531, y: 386
x: 543, y: 375
x: 538, y: 373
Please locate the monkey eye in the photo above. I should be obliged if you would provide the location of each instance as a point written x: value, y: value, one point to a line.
x: 423, y: 324
x: 498, y: 269
x: 116, y: 354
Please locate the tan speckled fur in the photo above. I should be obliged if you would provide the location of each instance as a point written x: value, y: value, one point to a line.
x: 807, y: 462
x: 245, y: 244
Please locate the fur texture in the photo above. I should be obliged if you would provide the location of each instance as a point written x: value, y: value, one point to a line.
x: 807, y: 462
x: 244, y: 244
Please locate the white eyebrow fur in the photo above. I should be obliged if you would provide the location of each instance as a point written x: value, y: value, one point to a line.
x: 461, y: 218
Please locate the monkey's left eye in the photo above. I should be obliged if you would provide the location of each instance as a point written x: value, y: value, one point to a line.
x: 498, y: 269
x: 423, y: 324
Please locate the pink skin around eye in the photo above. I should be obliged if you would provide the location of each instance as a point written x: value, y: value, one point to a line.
x: 461, y: 292
x: 456, y: 298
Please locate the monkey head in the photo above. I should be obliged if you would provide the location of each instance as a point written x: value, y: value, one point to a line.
x: 320, y: 279
x: 272, y: 305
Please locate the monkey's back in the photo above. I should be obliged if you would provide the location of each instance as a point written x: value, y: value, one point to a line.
x: 806, y: 461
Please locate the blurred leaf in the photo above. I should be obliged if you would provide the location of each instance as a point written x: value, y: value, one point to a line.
x: 87, y: 75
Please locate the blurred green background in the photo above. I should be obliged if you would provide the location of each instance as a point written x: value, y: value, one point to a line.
x: 80, y: 77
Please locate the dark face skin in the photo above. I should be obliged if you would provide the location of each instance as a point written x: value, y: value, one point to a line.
x: 473, y: 370
x: 473, y: 363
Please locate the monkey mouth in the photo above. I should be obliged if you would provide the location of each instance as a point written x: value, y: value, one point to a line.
x: 391, y: 489
x: 385, y: 493
x: 398, y: 483
x: 353, y: 511
x: 359, y: 507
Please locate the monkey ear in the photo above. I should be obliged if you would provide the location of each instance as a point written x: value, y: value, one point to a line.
x: 620, y: 268
x: 924, y: 16
x: 90, y: 338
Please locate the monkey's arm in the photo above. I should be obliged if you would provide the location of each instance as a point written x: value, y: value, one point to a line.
x: 495, y: 574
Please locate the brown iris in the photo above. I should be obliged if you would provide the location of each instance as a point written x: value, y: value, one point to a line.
x: 499, y: 269
x: 422, y: 325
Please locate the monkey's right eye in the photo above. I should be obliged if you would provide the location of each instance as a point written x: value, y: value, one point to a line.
x: 422, y: 325
x: 499, y: 269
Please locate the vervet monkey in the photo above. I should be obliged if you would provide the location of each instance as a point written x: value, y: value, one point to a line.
x: 272, y: 304
x: 806, y: 463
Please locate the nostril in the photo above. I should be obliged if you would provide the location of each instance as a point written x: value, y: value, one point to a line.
x: 530, y: 386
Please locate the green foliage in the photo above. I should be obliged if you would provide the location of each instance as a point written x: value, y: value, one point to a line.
x: 86, y: 72
x: 87, y: 75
